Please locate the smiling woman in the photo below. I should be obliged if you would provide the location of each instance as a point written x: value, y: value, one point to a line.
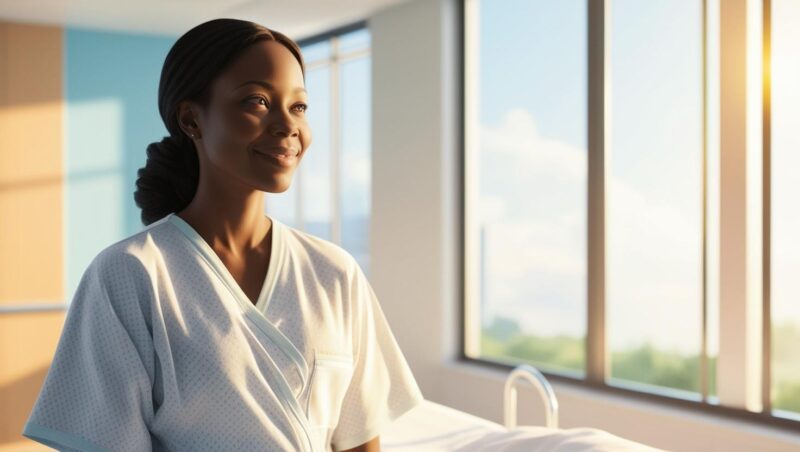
x: 224, y: 121
x: 218, y: 327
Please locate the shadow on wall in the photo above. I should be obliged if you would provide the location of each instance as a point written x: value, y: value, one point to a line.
x: 77, y: 111
x: 31, y: 209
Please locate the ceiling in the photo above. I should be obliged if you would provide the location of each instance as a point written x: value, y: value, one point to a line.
x: 298, y: 19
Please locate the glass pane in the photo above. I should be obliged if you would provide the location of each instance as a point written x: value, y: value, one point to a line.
x: 654, y: 207
x: 355, y: 159
x: 316, y: 164
x: 315, y: 52
x: 355, y: 40
x: 532, y: 176
x: 785, y: 212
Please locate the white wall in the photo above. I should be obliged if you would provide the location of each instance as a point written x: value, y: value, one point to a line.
x: 415, y: 251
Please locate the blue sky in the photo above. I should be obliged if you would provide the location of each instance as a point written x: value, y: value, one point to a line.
x: 532, y: 165
x: 532, y: 109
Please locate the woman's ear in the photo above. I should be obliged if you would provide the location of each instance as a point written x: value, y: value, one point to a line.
x: 187, y: 119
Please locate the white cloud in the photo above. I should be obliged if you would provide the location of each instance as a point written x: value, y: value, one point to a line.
x: 533, y: 190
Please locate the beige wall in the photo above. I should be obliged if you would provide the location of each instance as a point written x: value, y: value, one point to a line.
x: 31, y: 205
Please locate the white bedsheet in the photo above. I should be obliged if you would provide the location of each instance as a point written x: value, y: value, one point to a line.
x: 433, y: 427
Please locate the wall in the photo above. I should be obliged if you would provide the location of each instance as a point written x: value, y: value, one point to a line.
x: 77, y: 110
x: 31, y: 209
x: 111, y: 90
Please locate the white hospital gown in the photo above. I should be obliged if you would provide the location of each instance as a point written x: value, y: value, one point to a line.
x: 162, y: 350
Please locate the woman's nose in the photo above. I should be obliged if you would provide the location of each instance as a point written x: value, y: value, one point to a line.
x: 283, y: 124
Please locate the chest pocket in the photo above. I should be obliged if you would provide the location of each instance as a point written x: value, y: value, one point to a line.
x: 329, y: 380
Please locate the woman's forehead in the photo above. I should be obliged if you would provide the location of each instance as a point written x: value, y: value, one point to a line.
x: 268, y: 61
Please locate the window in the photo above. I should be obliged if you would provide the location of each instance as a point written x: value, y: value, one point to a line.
x: 785, y: 214
x: 330, y: 196
x: 607, y: 237
x: 528, y: 126
x: 655, y: 194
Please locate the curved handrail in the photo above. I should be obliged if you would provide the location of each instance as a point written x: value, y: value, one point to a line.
x: 542, y: 386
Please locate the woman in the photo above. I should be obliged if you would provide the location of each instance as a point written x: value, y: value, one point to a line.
x: 218, y: 327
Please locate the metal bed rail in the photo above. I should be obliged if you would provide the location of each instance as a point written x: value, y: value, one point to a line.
x: 542, y: 386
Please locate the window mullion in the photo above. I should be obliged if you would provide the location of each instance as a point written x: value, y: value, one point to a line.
x: 336, y: 187
x: 766, y: 362
x: 704, y: 357
x: 474, y: 285
x: 599, y: 95
x: 740, y: 353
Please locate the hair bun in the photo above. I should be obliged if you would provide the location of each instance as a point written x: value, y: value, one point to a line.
x: 168, y: 181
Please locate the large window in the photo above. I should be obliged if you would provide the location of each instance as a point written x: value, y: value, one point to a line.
x: 620, y: 203
x: 330, y: 197
x: 785, y: 207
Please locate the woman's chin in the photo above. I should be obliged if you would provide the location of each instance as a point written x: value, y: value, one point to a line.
x: 279, y: 184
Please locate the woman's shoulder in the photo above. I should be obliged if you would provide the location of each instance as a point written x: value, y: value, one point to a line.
x: 319, y: 251
x: 133, y: 253
x: 123, y: 273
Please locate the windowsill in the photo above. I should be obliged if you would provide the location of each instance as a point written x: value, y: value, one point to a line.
x: 626, y: 415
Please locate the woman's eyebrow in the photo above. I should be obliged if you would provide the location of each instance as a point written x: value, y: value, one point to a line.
x: 266, y: 85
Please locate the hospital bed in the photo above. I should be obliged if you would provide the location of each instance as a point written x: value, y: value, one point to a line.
x: 433, y: 427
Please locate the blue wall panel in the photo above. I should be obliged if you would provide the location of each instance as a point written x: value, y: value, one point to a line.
x: 111, y: 89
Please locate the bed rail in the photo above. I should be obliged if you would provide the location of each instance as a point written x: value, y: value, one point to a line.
x: 542, y: 386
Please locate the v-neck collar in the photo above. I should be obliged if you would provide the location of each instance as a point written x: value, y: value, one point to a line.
x: 257, y: 313
x: 274, y: 266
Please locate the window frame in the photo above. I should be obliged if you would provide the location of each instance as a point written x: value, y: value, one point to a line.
x: 334, y: 63
x: 597, y: 368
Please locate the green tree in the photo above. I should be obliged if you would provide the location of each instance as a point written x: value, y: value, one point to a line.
x: 504, y: 341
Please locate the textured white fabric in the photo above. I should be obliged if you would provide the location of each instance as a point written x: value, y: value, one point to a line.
x: 162, y: 350
x: 432, y: 427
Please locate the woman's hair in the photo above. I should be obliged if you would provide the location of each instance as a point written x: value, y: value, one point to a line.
x: 168, y: 181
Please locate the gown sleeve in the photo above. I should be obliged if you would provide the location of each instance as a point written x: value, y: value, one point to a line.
x: 97, y: 395
x: 382, y: 387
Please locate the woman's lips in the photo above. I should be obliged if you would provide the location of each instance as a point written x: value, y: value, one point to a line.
x: 283, y: 159
x: 282, y: 150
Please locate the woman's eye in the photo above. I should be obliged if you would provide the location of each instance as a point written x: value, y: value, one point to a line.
x: 256, y: 99
x: 259, y: 98
x: 265, y: 103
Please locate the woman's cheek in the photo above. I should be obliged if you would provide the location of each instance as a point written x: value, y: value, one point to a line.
x: 244, y: 126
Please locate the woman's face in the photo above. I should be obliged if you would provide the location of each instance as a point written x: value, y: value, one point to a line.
x: 257, y: 109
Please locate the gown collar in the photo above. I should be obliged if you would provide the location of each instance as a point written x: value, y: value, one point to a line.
x: 275, y: 261
x: 257, y: 313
